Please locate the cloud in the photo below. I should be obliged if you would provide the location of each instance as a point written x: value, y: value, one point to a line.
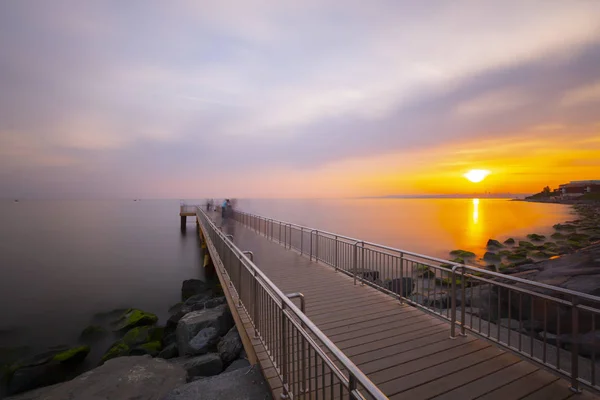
x: 585, y: 94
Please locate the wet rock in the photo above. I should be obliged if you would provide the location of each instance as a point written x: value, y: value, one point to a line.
x: 205, y: 365
x: 462, y: 254
x: 124, y: 378
x: 241, y: 384
x: 535, y: 237
x: 132, y: 318
x: 237, y: 364
x: 565, y: 227
x: 219, y: 318
x: 494, y: 244
x: 557, y: 235
x: 150, y: 348
x: 203, y: 341
x: 92, y: 332
x: 394, y: 285
x: 45, y: 369
x: 509, y: 241
x: 192, y: 287
x: 526, y: 245
x: 489, y: 256
x: 169, y: 351
x: 230, y: 346
x: 118, y: 349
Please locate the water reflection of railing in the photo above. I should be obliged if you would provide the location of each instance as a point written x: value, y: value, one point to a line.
x: 308, y: 363
x: 549, y: 325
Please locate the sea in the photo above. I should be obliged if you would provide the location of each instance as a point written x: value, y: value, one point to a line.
x: 62, y: 262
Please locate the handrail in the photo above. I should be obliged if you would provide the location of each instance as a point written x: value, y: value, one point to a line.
x: 441, y: 261
x: 355, y: 374
x: 451, y: 282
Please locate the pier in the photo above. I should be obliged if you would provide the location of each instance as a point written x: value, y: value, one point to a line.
x: 327, y: 316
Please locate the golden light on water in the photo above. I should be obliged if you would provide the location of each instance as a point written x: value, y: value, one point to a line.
x: 477, y: 175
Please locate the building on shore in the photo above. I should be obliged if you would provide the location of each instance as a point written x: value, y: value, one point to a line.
x: 579, y: 188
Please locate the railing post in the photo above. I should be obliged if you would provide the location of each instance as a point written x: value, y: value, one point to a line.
x: 335, y: 263
x: 301, y: 240
x: 453, y: 312
x: 463, y: 303
x: 279, y: 232
x: 255, y: 305
x: 354, y: 261
x: 317, y: 246
x: 575, y: 346
x: 310, y: 255
x: 284, y: 355
x: 351, y: 386
x: 362, y: 264
x: 401, y: 278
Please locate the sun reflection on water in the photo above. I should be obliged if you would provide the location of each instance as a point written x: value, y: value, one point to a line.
x: 475, y: 211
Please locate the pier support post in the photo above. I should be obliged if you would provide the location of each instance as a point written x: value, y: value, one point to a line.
x: 183, y: 222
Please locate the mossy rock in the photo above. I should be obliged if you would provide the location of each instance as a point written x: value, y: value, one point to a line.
x: 504, y: 267
x: 542, y: 254
x: 526, y: 245
x: 564, y: 227
x: 92, y: 332
x: 578, y: 237
x: 490, y: 256
x: 118, y: 349
x: 516, y: 257
x: 550, y: 246
x: 72, y: 355
x: 134, y: 317
x: 422, y: 267
x: 535, y: 237
x: 557, y: 235
x: 504, y: 253
x: 458, y: 260
x: 522, y: 262
x: 138, y: 335
x: 427, y: 274
x: 576, y: 245
x: 462, y: 254
x: 509, y: 241
x: 448, y: 266
x: 494, y: 244
x: 151, y: 348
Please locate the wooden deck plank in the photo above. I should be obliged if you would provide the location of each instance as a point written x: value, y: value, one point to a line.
x: 403, y: 349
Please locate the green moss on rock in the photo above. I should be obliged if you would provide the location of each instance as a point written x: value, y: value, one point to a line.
x: 504, y: 253
x: 526, y: 245
x: 92, y: 331
x: 509, y: 241
x: 132, y: 318
x: 72, y: 355
x: 462, y: 253
x: 557, y: 235
x: 490, y: 256
x: 535, y: 237
x: 492, y: 243
x: 458, y: 260
x: 118, y: 349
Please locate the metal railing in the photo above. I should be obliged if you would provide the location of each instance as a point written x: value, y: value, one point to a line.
x: 552, y: 326
x: 308, y: 363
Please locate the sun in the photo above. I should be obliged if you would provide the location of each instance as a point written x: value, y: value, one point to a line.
x: 476, y: 175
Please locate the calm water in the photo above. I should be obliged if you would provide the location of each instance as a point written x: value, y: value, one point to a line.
x: 63, y: 261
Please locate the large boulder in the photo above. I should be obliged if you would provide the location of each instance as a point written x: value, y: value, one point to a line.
x: 188, y: 327
x: 141, y: 378
x: 406, y: 284
x: 494, y: 244
x: 193, y: 287
x: 205, y: 365
x: 244, y: 383
x: 137, y: 341
x: 169, y: 351
x: 132, y: 318
x: 237, y: 364
x: 230, y: 346
x: 203, y: 341
x: 47, y: 368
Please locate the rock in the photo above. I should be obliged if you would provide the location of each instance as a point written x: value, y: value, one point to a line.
x: 535, y: 237
x: 458, y: 260
x: 203, y: 341
x: 138, y: 335
x: 219, y: 318
x: 150, y: 348
x: 542, y: 254
x: 243, y: 355
x: 210, y: 303
x: 92, y: 332
x: 174, y: 319
x: 169, y: 338
x: 489, y: 256
x: 230, y: 346
x: 241, y: 384
x: 237, y: 364
x: 557, y: 235
x: 198, y: 298
x: 124, y: 378
x: 462, y: 254
x: 132, y: 318
x: 118, y: 349
x: 192, y: 287
x: 510, y: 324
x: 494, y: 244
x: 45, y: 369
x: 526, y: 245
x: 565, y: 227
x: 509, y: 241
x: 516, y: 257
x: 369, y: 275
x: 205, y: 365
x: 169, y: 351
x: 394, y: 285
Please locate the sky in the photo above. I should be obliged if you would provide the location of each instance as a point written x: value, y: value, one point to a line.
x: 270, y: 98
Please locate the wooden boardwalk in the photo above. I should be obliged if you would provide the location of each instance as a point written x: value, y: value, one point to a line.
x: 406, y: 352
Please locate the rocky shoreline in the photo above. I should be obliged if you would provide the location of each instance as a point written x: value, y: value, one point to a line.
x: 199, y: 344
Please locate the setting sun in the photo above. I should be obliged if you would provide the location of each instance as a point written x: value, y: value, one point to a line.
x: 476, y: 175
